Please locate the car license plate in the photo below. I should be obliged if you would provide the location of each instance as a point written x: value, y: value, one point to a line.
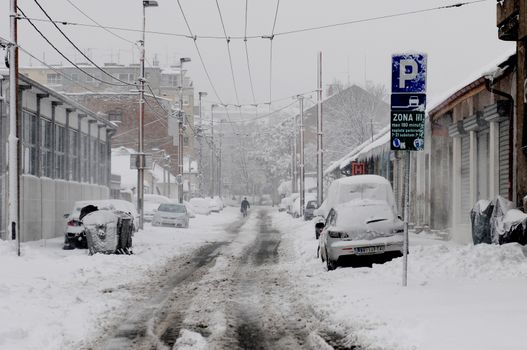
x: 369, y: 250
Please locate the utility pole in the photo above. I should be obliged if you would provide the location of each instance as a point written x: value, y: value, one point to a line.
x: 181, y: 129
x: 320, y: 158
x: 14, y: 130
x: 219, y: 158
x: 302, y: 169
x: 140, y: 150
x: 169, y: 170
x: 212, y: 155
x: 294, y: 186
x: 200, y: 140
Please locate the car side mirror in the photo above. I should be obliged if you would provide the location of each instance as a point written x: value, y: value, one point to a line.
x: 66, y: 216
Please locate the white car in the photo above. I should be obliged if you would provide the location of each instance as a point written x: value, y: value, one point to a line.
x: 171, y: 214
x: 200, y: 206
x: 361, y: 228
x: 151, y: 203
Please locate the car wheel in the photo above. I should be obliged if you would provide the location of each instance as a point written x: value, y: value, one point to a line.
x: 331, y: 265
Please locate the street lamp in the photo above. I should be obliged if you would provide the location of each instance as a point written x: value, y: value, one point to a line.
x: 212, y: 155
x: 200, y: 139
x: 181, y: 125
x: 140, y: 150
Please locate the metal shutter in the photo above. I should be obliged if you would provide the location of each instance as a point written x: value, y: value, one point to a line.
x: 465, y: 175
x: 504, y: 159
x: 483, y: 164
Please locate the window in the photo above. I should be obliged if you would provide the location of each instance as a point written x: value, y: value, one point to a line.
x: 115, y: 115
x: 186, y: 100
x: 103, y: 169
x: 170, y: 80
x: 185, y: 140
x: 29, y: 141
x: 54, y: 78
x: 93, y: 160
x: 60, y: 148
x: 47, y: 162
x: 129, y: 77
x: 84, y: 156
x: 74, y: 156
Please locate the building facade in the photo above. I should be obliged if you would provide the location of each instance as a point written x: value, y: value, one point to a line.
x: 65, y: 157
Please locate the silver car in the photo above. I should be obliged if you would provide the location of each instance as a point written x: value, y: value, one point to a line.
x: 171, y: 214
x: 361, y: 231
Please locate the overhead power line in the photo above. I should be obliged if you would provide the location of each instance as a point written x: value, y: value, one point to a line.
x: 199, y: 53
x: 271, y: 37
x: 228, y: 41
x: 106, y: 29
x: 64, y: 56
x: 67, y: 77
x: 77, y: 48
x: 247, y: 55
x: 260, y: 36
x: 371, y: 19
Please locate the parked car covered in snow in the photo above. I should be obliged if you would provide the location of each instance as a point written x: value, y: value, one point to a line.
x: 151, y: 203
x: 216, y: 204
x: 366, y: 225
x: 350, y: 188
x: 200, y: 206
x: 296, y: 204
x: 311, y: 206
x: 126, y: 207
x: 171, y: 214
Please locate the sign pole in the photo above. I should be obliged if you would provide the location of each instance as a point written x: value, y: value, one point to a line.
x: 408, y: 161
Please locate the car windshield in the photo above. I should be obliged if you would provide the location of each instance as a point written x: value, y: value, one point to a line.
x: 172, y: 208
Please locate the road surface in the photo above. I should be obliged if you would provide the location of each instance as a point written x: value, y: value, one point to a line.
x: 233, y: 294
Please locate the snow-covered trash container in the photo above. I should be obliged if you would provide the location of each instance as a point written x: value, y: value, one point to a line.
x: 125, y: 231
x: 480, y: 218
x: 101, y: 231
x: 501, y: 207
x: 514, y: 227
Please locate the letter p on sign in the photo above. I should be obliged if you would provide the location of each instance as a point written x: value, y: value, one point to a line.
x: 409, y: 73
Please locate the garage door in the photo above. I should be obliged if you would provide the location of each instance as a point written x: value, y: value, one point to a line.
x: 504, y: 159
x: 465, y: 176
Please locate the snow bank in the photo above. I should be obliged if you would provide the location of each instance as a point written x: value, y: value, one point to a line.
x: 458, y: 297
x: 56, y: 299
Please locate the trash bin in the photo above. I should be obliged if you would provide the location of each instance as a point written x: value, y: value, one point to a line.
x: 125, y: 231
x: 480, y: 218
x: 101, y: 231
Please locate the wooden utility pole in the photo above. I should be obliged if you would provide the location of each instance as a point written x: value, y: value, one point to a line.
x: 512, y: 26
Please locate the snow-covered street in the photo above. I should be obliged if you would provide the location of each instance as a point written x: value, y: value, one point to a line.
x: 256, y: 283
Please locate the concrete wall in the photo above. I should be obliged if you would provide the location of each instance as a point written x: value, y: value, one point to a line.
x: 45, y: 201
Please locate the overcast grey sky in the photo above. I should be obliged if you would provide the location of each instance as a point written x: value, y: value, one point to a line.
x: 460, y: 42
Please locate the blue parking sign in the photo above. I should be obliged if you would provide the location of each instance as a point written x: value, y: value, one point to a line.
x: 409, y: 73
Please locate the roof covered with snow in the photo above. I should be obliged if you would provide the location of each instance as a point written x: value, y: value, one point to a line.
x: 380, y: 144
